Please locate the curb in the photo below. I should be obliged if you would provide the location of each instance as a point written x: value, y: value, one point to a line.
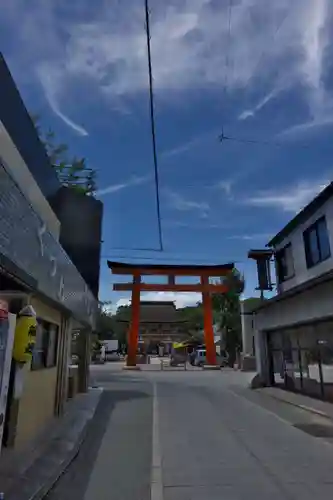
x: 303, y: 407
x: 50, y: 483
x: 43, y: 489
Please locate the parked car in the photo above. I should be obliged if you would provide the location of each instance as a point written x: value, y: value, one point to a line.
x: 112, y: 356
x: 177, y: 358
x: 200, y: 358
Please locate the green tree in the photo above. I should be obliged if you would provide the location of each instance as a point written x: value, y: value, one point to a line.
x: 193, y: 316
x: 227, y: 307
x: 105, y: 322
x: 72, y: 172
x: 121, y: 320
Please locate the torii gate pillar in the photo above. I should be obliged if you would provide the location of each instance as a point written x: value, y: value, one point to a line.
x: 135, y: 323
x: 208, y: 324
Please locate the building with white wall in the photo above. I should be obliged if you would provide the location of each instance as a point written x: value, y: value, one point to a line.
x: 294, y: 329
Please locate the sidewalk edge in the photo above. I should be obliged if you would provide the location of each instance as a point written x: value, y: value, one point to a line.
x: 41, y: 493
x: 302, y: 407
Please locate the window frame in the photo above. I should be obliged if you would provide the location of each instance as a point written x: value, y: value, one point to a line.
x: 46, y: 347
x: 310, y: 263
x: 278, y: 257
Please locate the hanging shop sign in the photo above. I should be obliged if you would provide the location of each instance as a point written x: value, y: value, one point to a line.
x: 25, y: 335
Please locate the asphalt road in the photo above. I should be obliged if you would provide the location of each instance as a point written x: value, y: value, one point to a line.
x: 177, y: 435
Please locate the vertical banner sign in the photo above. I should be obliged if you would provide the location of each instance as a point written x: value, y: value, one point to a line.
x: 4, y: 326
x: 7, y: 329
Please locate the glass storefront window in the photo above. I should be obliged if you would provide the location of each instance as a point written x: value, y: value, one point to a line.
x: 302, y: 359
x: 295, y: 356
x: 325, y: 348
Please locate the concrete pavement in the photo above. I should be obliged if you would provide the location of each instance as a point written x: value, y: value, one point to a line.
x: 30, y: 473
x: 193, y: 435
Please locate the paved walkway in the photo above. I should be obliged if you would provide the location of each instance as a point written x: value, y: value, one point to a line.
x: 315, y: 405
x: 27, y: 474
x: 193, y: 436
x: 115, y: 460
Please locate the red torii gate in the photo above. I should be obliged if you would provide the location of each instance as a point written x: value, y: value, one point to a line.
x: 171, y: 271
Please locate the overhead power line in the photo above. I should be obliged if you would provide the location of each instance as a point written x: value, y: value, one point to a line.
x: 153, y: 128
x: 227, y: 60
x: 227, y: 56
x: 222, y: 137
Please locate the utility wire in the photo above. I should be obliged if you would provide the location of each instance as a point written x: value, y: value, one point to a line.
x: 152, y: 121
x: 227, y: 56
x: 222, y: 137
x: 227, y: 59
x: 278, y: 28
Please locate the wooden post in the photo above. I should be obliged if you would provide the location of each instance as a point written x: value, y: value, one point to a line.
x: 135, y: 322
x: 84, y: 355
x: 208, y: 324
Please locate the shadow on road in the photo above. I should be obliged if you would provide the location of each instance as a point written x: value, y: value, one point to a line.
x: 74, y: 482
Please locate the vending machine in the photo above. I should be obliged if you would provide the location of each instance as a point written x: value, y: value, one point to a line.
x: 7, y: 333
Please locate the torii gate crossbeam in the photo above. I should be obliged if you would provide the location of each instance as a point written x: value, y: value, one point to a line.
x: 171, y: 272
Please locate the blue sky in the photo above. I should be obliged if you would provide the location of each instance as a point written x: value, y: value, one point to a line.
x: 83, y: 67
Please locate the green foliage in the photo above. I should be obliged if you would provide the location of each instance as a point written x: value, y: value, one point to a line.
x: 105, y: 322
x: 193, y: 316
x: 227, y: 307
x: 122, y: 319
x: 72, y: 172
x: 110, y: 325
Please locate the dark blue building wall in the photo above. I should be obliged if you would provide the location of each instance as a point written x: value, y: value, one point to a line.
x: 21, y: 129
x: 81, y: 232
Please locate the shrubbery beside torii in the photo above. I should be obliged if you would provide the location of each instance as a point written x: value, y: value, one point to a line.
x: 227, y: 307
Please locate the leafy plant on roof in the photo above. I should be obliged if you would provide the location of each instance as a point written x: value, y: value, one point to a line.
x: 72, y: 172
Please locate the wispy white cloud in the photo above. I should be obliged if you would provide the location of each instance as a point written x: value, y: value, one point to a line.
x: 316, y: 39
x: 193, y: 143
x: 115, y: 188
x: 181, y: 299
x: 225, y: 186
x: 250, y: 113
x: 108, y: 48
x: 205, y: 226
x: 49, y: 81
x: 249, y: 237
x: 307, y: 127
x: 182, y: 204
x: 289, y: 199
x: 183, y: 148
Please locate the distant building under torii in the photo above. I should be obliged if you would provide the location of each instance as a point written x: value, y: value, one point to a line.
x: 160, y: 326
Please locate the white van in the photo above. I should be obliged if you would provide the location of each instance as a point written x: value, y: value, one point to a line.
x: 200, y: 358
